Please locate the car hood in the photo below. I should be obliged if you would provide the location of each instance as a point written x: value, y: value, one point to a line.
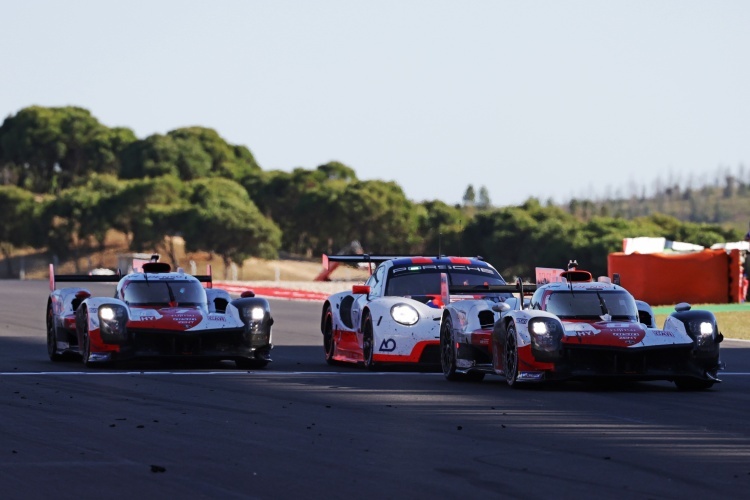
x: 619, y: 334
x: 179, y: 319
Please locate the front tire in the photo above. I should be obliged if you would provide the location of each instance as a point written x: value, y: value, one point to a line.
x: 86, y: 347
x: 510, y: 365
x: 368, y: 344
x: 52, y: 352
x: 329, y: 344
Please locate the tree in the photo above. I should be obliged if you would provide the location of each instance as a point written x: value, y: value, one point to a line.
x: 470, y: 196
x: 379, y: 215
x: 45, y: 149
x: 150, y: 211
x: 221, y: 218
x: 484, y: 199
x: 188, y: 153
x: 440, y: 227
x: 18, y: 208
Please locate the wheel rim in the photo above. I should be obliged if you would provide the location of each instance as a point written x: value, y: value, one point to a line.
x: 511, y: 356
x: 328, y: 343
x: 447, y: 358
x: 367, y: 343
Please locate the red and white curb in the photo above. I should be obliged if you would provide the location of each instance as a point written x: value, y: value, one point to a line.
x: 273, y: 292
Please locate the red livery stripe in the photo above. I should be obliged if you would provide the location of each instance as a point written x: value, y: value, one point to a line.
x: 416, y: 353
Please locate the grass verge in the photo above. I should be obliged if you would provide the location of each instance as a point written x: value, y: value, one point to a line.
x: 733, y: 319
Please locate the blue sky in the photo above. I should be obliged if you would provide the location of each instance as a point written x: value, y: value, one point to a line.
x: 553, y: 99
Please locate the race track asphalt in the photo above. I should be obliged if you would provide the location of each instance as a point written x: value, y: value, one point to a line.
x: 303, y: 429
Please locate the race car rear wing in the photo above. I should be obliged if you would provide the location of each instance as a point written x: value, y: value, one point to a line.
x: 110, y: 278
x: 357, y: 259
x: 519, y: 287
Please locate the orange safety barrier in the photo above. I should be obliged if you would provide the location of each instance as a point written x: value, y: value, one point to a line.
x: 707, y: 277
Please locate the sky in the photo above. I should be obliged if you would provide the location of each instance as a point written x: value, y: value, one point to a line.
x: 551, y: 99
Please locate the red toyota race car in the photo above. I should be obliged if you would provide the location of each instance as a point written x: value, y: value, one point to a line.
x: 156, y: 313
x: 576, y: 328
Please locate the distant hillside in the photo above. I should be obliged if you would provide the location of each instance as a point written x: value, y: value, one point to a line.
x: 721, y: 199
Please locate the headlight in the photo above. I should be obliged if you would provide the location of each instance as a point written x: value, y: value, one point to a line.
x: 539, y: 328
x: 113, y: 321
x: 404, y: 314
x: 704, y: 332
x: 545, y: 334
x: 257, y: 314
x: 106, y: 313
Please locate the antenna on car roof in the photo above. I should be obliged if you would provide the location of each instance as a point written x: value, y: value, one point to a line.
x: 572, y: 265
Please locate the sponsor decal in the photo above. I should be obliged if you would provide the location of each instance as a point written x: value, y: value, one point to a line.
x: 388, y: 345
x: 662, y: 333
x: 521, y: 321
x: 217, y: 317
x: 580, y: 329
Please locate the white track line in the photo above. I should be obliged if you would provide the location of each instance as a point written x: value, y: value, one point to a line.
x: 238, y: 373
x: 232, y: 373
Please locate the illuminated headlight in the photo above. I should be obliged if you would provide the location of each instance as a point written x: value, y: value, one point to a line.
x: 703, y: 331
x: 545, y: 334
x: 539, y: 328
x: 404, y: 314
x: 257, y: 314
x: 113, y: 323
x: 106, y: 313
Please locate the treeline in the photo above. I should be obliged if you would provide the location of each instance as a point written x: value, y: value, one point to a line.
x: 67, y: 180
x: 722, y: 197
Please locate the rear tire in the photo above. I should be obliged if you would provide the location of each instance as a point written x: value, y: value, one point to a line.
x: 447, y: 352
x: 368, y: 347
x: 52, y: 352
x: 510, y: 365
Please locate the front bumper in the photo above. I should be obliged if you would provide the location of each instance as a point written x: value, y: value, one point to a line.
x: 224, y: 344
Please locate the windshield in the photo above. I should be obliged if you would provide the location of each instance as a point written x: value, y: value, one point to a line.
x: 592, y: 304
x: 415, y: 280
x: 183, y: 293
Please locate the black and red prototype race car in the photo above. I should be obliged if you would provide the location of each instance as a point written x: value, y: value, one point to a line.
x: 575, y: 329
x: 157, y: 313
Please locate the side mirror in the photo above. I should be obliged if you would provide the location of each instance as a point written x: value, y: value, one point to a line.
x: 361, y: 290
x: 682, y: 306
x: 247, y: 293
x: 501, y: 307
